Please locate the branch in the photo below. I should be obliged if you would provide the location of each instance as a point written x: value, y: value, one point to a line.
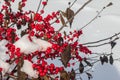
x: 93, y: 18
x: 72, y: 4
x: 101, y: 41
x: 10, y: 76
x: 71, y: 17
x: 108, y: 5
x: 39, y: 6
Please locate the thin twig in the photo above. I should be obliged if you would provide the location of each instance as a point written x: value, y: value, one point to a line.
x: 102, y: 39
x: 39, y: 6
x: 72, y: 4
x: 11, y: 76
x: 92, y: 19
x: 87, y: 65
x: 99, y: 44
x: 103, y: 43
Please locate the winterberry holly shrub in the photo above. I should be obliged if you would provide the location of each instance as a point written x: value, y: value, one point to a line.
x: 27, y: 51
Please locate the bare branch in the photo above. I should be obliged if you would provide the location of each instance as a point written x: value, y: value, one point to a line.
x: 93, y: 19
x: 72, y: 4
x: 39, y: 6
x: 72, y: 17
x: 116, y: 35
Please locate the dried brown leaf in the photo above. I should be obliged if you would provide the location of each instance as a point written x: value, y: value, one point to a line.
x: 13, y: 37
x: 64, y: 75
x: 65, y: 33
x: 105, y: 58
x: 89, y: 75
x: 18, y: 26
x: 22, y: 76
x: 60, y: 41
x: 45, y: 78
x: 64, y: 14
x: 24, y: 22
x: 88, y: 63
x: 111, y: 60
x: 110, y: 4
x: 23, y: 33
x: 112, y: 44
x: 101, y: 60
x: 72, y: 74
x: 62, y: 20
x: 70, y: 15
x: 81, y: 67
x: 19, y: 6
x: 66, y: 55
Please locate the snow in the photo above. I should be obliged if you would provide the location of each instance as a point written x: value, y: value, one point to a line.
x: 3, y: 49
x: 28, y: 46
x: 5, y: 67
x: 43, y: 44
x: 28, y: 69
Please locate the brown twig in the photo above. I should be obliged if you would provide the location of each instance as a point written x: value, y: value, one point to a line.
x: 39, y: 6
x: 93, y: 19
x: 102, y: 43
x: 12, y: 71
x: 102, y: 39
x: 72, y: 4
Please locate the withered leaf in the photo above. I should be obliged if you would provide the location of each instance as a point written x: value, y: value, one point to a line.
x: 65, y: 33
x: 64, y: 14
x: 13, y: 37
x: 88, y: 63
x: 23, y: 33
x: 105, y: 58
x: 60, y: 40
x: 89, y: 75
x: 70, y: 15
x: 7, y: 17
x: 66, y: 55
x: 72, y: 74
x: 62, y: 20
x: 6, y: 22
x: 31, y: 16
x: 22, y: 76
x: 111, y: 60
x: 18, y: 26
x: 45, y: 78
x: 110, y: 4
x: 112, y: 44
x: 64, y: 75
x: 19, y: 6
x: 23, y: 22
x: 101, y: 60
x: 81, y: 67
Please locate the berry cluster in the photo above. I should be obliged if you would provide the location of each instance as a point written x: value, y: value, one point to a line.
x: 40, y: 28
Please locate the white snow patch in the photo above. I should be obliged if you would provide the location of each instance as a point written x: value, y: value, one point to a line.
x: 28, y: 69
x: 43, y: 44
x: 26, y: 46
x: 3, y: 49
x: 5, y: 67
